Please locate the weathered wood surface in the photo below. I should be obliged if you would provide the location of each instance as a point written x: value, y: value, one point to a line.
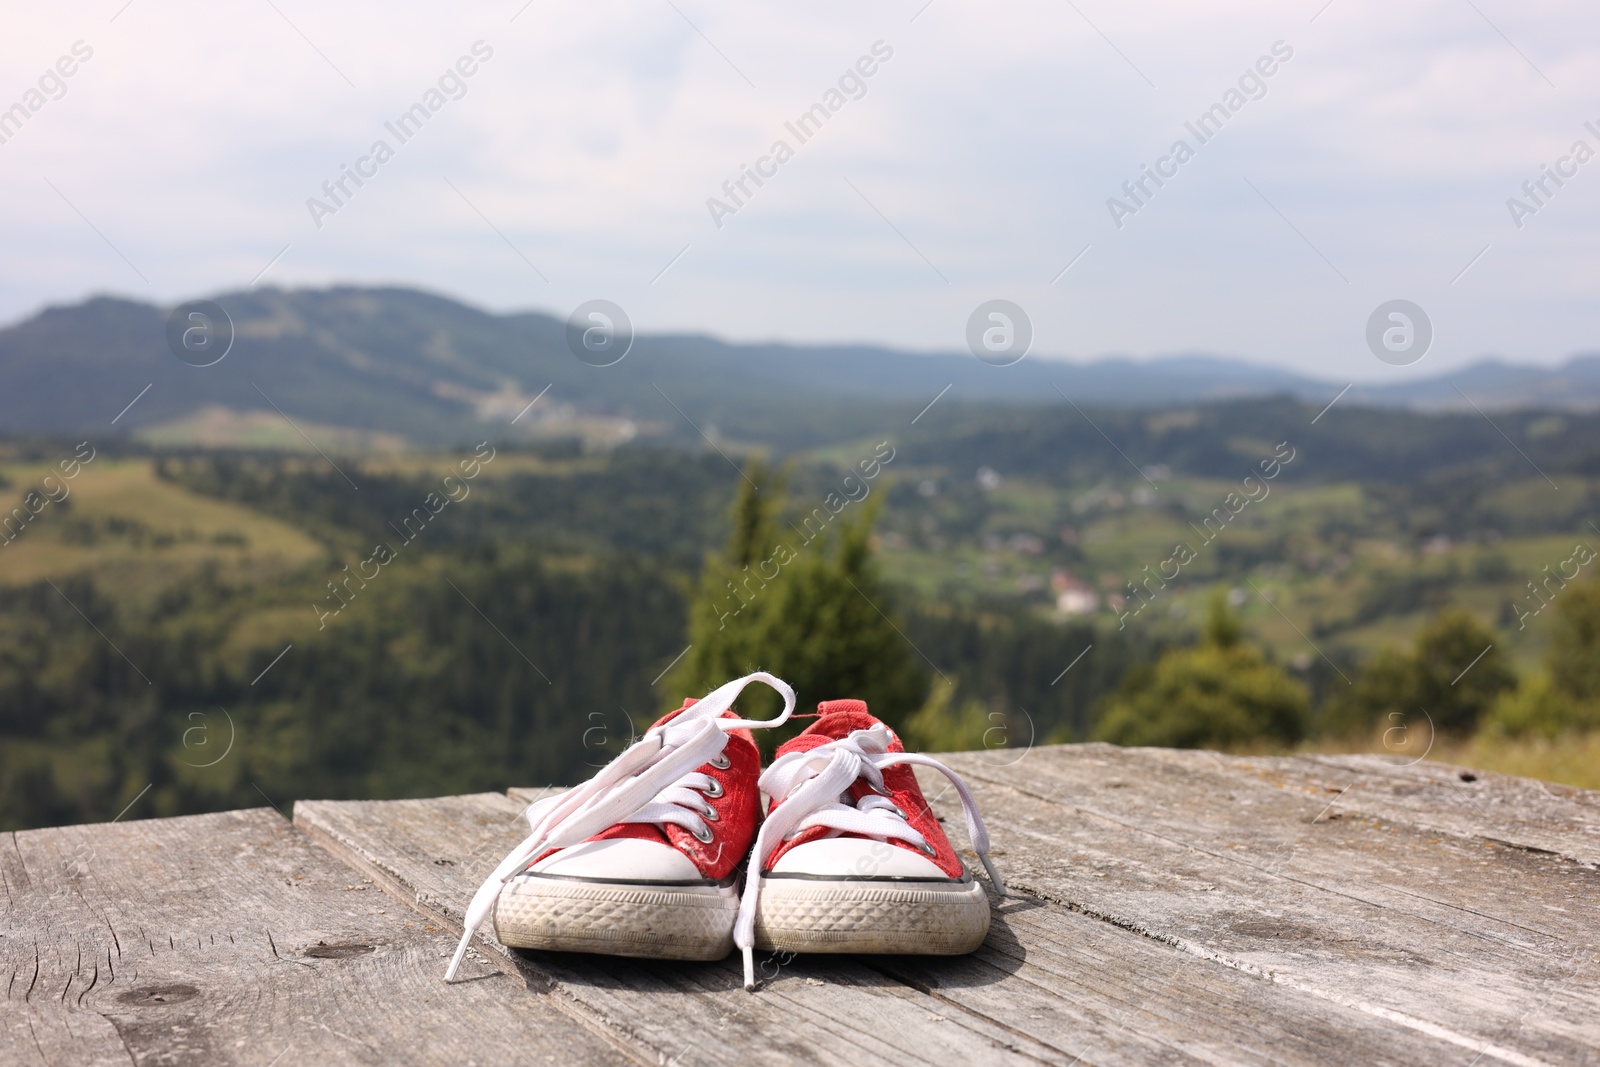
x: 823, y: 1009
x: 1168, y: 907
x: 231, y: 938
x: 1430, y: 914
x: 1521, y: 812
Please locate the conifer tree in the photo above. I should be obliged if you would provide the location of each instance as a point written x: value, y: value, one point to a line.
x: 811, y: 610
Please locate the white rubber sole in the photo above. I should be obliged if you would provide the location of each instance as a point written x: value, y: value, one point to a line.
x: 871, y: 916
x: 672, y: 922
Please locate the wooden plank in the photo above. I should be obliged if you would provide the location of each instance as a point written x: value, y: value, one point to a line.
x: 1201, y: 796
x: 230, y: 938
x: 1066, y: 988
x: 1127, y: 999
x: 1180, y: 908
x: 1482, y: 946
x: 1520, y: 812
x: 820, y: 1009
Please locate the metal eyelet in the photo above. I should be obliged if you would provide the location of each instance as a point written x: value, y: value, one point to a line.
x: 714, y: 790
x: 927, y: 849
x: 720, y: 761
x: 898, y: 810
x: 703, y: 838
x: 709, y: 814
x: 885, y: 791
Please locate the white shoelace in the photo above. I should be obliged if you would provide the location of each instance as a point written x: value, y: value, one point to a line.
x: 812, y: 786
x: 656, y: 780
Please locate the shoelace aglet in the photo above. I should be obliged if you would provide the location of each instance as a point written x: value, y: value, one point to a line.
x: 994, y: 876
x: 749, y: 969
x: 455, y: 961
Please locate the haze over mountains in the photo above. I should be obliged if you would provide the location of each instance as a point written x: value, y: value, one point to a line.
x: 365, y: 367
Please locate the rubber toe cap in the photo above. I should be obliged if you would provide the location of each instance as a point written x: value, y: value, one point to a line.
x: 621, y: 859
x: 856, y: 857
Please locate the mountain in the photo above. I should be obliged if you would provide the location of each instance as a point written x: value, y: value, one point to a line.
x: 364, y: 367
x: 1493, y: 384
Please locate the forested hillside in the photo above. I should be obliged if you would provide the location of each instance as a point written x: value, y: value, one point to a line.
x: 198, y: 623
x: 222, y: 625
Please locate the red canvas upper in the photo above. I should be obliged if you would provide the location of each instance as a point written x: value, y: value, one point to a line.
x: 837, y: 719
x: 738, y: 809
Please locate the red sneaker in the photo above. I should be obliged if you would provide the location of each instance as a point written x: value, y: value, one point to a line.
x: 851, y: 858
x: 643, y: 859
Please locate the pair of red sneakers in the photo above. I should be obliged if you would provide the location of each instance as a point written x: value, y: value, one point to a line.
x: 645, y: 858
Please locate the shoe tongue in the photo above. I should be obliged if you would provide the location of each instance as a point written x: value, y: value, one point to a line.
x: 688, y: 702
x: 837, y: 719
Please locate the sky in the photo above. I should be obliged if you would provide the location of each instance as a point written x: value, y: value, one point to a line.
x: 978, y: 161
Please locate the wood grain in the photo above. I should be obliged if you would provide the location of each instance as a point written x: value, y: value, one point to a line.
x: 1049, y: 971
x: 1170, y: 907
x: 1461, y: 802
x: 1455, y: 937
x: 812, y: 1010
x: 230, y: 938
